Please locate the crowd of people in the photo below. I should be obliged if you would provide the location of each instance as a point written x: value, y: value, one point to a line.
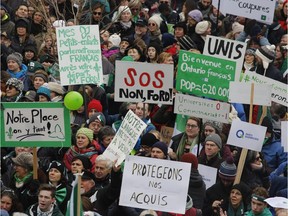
x: 152, y: 31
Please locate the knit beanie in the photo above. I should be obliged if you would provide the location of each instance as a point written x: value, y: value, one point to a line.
x: 22, y: 23
x: 85, y: 161
x: 237, y: 28
x: 87, y: 132
x: 214, y: 138
x: 267, y: 123
x: 267, y: 54
x: 97, y: 116
x: 24, y: 159
x: 168, y: 40
x: 30, y: 48
x: 94, y: 104
x: 182, y: 25
x: 202, y: 27
x: 148, y: 139
x: 190, y: 158
x: 18, y: 84
x: 244, y: 190
x: 123, y: 9
x: 30, y: 95
x: 196, y: 15
x: 55, y: 87
x: 44, y: 90
x: 156, y: 46
x: 156, y: 18
x: 59, y: 23
x: 186, y: 43
x: 161, y: 145
x: 33, y: 66
x: 41, y: 73
x: 228, y: 169
x: 59, y: 166
x: 250, y: 51
x: 17, y: 57
x: 87, y: 175
x: 216, y: 125
x: 115, y: 39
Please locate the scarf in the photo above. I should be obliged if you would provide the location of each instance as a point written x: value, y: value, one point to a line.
x: 48, y: 213
x: 213, y: 18
x: 236, y: 212
x: 126, y: 25
x: 20, y: 182
x: 248, y: 66
x: 19, y: 75
x: 183, y: 142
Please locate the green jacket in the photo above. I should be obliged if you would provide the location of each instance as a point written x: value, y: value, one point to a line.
x: 266, y: 212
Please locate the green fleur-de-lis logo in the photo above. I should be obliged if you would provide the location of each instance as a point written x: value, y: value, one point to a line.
x: 246, y: 78
x: 10, y: 132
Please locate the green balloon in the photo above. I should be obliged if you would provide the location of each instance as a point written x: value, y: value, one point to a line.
x: 73, y: 100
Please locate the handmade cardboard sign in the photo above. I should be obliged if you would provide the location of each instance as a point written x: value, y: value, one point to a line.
x: 157, y: 184
x: 35, y: 125
x: 209, y: 174
x: 80, y: 59
x: 143, y: 82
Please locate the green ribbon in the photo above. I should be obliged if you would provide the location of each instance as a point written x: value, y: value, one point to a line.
x: 61, y: 194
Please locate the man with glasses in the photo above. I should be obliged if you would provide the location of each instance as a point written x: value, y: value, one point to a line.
x: 97, y: 16
x: 141, y: 31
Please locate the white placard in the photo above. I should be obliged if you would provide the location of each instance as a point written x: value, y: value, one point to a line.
x: 241, y: 92
x: 226, y: 49
x: 125, y: 138
x: 80, y: 58
x: 284, y: 135
x: 201, y: 108
x: 246, y: 135
x: 279, y: 90
x: 157, y: 184
x: 209, y: 174
x: 143, y: 82
x: 262, y: 11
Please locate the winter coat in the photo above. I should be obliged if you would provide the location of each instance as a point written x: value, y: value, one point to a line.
x: 197, y: 189
x: 271, y: 72
x: 265, y: 212
x: 7, y: 25
x: 18, y: 46
x: 118, y: 28
x: 213, y: 162
x: 63, y: 194
x: 32, y: 210
x: 22, y: 75
x: 199, y: 41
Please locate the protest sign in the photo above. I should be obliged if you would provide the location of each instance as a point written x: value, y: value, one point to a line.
x: 209, y: 174
x: 126, y: 137
x: 143, y: 82
x: 156, y: 184
x: 284, y: 135
x: 201, y: 108
x: 80, y: 59
x: 203, y: 75
x: 166, y: 133
x: 246, y: 135
x: 243, y: 96
x: 35, y: 124
x: 279, y: 90
x: 226, y: 49
x: 262, y: 11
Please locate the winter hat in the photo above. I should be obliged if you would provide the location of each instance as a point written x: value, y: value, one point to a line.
x: 94, y: 104
x: 59, y: 23
x: 88, y: 176
x: 17, y: 57
x: 267, y: 123
x: 244, y: 190
x: 34, y: 66
x: 41, y: 73
x: 123, y: 9
x: 87, y: 132
x: 190, y: 158
x: 255, y: 30
x: 4, y: 8
x: 85, y: 161
x: 22, y: 23
x: 148, y: 139
x: 30, y: 48
x: 214, y: 138
x: 186, y: 43
x: 168, y: 40
x: 59, y: 166
x: 46, y: 58
x: 196, y: 15
x: 228, y: 169
x: 141, y: 22
x: 55, y: 87
x: 127, y: 39
x: 156, y: 46
x: 156, y: 19
x: 181, y: 25
x: 115, y: 39
x: 267, y: 54
x: 237, y: 27
x: 18, y: 84
x: 24, y: 159
x: 30, y: 95
x: 250, y: 51
x: 44, y: 90
x: 202, y: 27
x: 216, y: 125
x: 162, y: 146
x: 97, y: 116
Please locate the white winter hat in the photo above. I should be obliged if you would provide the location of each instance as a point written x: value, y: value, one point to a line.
x: 123, y: 9
x: 157, y: 19
x: 115, y: 39
x: 237, y: 27
x: 202, y: 27
x: 267, y: 54
x: 59, y: 23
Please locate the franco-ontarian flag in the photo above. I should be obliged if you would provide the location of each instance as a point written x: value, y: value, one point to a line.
x: 74, y: 207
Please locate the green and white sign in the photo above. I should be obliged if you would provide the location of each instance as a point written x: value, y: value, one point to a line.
x: 35, y: 125
x: 80, y: 60
x: 203, y: 75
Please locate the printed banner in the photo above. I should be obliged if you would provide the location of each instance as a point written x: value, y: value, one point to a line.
x: 125, y: 138
x: 35, y: 125
x: 209, y: 174
x: 143, y: 82
x: 279, y: 90
x: 80, y: 59
x: 201, y: 108
x: 150, y: 183
x: 203, y: 75
x: 246, y: 135
x: 262, y: 11
x: 226, y: 49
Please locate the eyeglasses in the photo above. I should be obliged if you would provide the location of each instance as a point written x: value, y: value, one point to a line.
x: 97, y: 13
x: 151, y: 24
x: 258, y: 158
x: 191, y: 126
x: 164, y: 2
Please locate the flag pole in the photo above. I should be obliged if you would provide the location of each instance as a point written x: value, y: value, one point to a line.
x: 79, y: 195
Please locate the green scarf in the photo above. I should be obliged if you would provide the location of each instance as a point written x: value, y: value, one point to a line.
x: 236, y: 212
x: 183, y: 141
x: 20, y: 182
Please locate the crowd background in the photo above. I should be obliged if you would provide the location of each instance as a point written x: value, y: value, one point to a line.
x: 142, y: 31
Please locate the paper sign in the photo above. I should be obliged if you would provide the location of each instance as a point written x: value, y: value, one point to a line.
x: 262, y: 11
x: 246, y: 135
x: 241, y: 92
x: 125, y: 138
x: 80, y: 59
x: 209, y: 174
x: 35, y: 124
x: 201, y: 108
x: 226, y: 49
x: 279, y: 90
x: 284, y: 135
x: 203, y: 75
x: 157, y: 184
x: 143, y: 82
x: 166, y: 133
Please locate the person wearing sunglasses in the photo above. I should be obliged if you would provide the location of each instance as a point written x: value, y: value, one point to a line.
x: 14, y: 88
x: 154, y: 24
x: 98, y: 16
